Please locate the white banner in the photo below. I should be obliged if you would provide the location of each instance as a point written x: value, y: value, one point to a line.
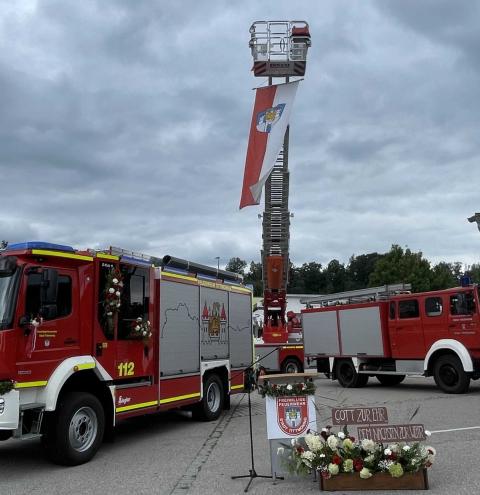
x: 290, y: 416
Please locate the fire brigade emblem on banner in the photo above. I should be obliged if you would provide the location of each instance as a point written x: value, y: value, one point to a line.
x: 292, y: 414
x: 269, y: 117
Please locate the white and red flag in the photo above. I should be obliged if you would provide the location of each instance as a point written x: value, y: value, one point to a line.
x: 270, y: 118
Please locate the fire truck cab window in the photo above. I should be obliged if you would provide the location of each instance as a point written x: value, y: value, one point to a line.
x: 462, y: 303
x: 135, y: 299
x: 33, y: 301
x: 392, y: 310
x: 408, y: 309
x: 433, y: 306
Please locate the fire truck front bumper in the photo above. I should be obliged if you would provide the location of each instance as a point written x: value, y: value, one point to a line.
x: 9, y: 410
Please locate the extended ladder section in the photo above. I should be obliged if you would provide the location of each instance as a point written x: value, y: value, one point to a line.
x: 276, y: 217
x: 361, y: 295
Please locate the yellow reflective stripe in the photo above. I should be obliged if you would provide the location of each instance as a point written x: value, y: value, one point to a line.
x: 30, y: 384
x: 85, y: 366
x: 243, y: 290
x: 136, y: 406
x: 61, y: 254
x: 107, y: 256
x: 176, y: 275
x: 208, y: 283
x: 235, y: 387
x: 292, y: 347
x: 179, y: 397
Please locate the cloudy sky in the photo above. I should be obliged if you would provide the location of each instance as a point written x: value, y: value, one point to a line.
x: 126, y: 123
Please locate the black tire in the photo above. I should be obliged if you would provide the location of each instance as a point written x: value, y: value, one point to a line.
x: 210, y: 408
x: 390, y: 380
x: 450, y: 376
x: 291, y: 365
x: 75, y: 432
x: 347, y: 376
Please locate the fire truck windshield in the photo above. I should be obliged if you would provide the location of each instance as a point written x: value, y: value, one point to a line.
x: 9, y: 274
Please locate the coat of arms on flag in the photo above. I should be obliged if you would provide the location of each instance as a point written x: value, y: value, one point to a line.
x: 269, y: 123
x: 268, y: 118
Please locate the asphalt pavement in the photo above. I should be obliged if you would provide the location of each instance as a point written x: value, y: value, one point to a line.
x: 170, y: 454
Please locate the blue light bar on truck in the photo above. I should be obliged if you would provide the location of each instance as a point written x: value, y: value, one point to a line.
x: 39, y: 245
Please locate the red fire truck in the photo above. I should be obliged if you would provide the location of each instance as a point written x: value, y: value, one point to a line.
x: 355, y: 335
x: 89, y: 338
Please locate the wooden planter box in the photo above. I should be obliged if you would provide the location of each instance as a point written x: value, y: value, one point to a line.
x: 379, y: 481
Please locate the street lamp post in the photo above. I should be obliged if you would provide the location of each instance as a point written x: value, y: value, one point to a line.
x: 218, y: 262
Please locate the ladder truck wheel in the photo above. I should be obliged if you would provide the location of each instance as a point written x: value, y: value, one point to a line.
x: 450, y: 376
x: 75, y: 432
x: 291, y: 365
x: 210, y: 408
x: 390, y: 380
x: 347, y: 375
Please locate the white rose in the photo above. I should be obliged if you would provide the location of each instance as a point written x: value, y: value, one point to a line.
x: 387, y: 452
x: 365, y: 473
x: 144, y: 333
x: 341, y: 435
x: 289, y: 387
x: 368, y: 444
x: 139, y: 319
x: 332, y: 442
x: 137, y: 328
x: 115, y: 280
x: 118, y: 305
x: 406, y: 448
x: 118, y: 294
x: 111, y: 290
x: 109, y: 313
x: 148, y: 322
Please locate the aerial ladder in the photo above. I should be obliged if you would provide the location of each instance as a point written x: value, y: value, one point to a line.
x: 279, y: 50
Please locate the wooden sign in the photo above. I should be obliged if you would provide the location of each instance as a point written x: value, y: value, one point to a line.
x: 392, y: 433
x: 360, y: 416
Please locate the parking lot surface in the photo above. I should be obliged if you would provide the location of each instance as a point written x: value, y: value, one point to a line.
x: 169, y: 454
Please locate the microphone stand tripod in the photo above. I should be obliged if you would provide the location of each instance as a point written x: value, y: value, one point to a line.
x: 250, y: 383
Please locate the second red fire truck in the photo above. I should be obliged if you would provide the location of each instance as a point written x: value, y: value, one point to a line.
x: 373, y: 333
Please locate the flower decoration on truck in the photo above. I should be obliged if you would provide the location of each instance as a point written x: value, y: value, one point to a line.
x: 141, y: 329
x: 112, y: 295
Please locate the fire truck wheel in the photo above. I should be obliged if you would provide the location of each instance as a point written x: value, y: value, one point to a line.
x: 390, y: 380
x: 450, y: 376
x: 347, y: 376
x: 291, y: 365
x: 75, y: 432
x: 212, y: 403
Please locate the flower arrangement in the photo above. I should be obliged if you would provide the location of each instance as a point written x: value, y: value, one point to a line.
x: 274, y: 390
x: 113, y: 292
x: 142, y: 329
x: 332, y: 454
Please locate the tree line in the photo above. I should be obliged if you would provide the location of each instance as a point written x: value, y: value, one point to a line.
x: 366, y: 270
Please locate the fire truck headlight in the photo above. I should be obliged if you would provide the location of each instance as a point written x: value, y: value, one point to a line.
x: 2, y: 405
